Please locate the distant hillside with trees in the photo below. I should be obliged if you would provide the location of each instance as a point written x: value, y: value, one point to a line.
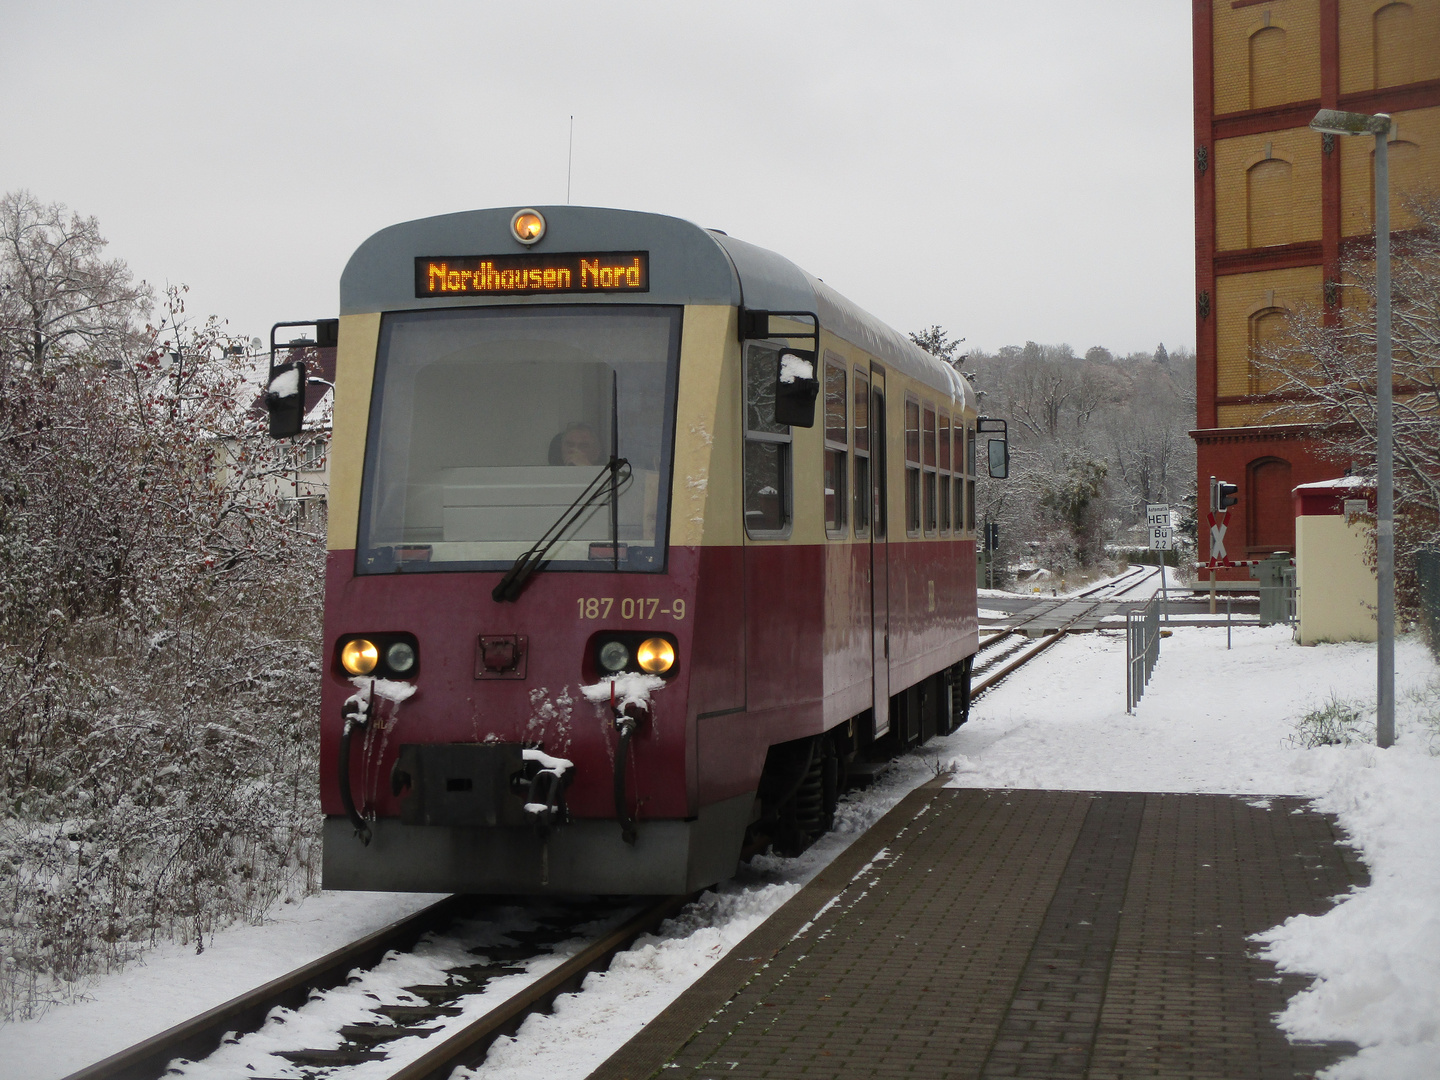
x: 1093, y: 439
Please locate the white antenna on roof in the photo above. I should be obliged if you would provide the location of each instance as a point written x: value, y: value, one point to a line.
x: 569, y: 159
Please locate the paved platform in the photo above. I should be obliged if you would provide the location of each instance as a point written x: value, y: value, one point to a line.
x: 982, y: 933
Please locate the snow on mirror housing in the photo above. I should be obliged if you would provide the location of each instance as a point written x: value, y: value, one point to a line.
x: 285, y: 400
x: 287, y: 386
x: 796, y: 388
x: 997, y: 450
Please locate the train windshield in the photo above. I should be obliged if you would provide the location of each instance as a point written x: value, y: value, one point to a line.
x: 487, y: 423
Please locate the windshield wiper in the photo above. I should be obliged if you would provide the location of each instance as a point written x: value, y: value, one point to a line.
x: 530, y: 560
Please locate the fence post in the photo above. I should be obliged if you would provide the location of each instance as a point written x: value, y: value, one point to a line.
x: 1142, y: 650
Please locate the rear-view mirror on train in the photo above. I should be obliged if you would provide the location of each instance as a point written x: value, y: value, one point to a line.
x: 796, y: 388
x: 998, y: 450
x: 999, y: 459
x: 285, y: 400
x: 288, y: 384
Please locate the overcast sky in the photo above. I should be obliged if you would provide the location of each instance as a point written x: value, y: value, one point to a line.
x: 1010, y: 171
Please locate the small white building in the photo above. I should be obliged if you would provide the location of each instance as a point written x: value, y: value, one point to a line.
x: 1334, y: 568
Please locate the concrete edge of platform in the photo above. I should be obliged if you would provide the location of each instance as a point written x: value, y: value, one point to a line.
x: 664, y: 1036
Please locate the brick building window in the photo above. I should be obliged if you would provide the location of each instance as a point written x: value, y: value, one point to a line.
x: 1394, y: 43
x: 1267, y: 203
x: 1267, y: 68
x: 1267, y: 328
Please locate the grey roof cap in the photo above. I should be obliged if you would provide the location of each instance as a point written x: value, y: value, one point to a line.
x: 688, y: 265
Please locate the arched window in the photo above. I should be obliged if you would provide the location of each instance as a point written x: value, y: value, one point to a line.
x: 1394, y: 43
x: 1267, y: 67
x: 1267, y: 329
x: 1270, y: 510
x: 1267, y: 193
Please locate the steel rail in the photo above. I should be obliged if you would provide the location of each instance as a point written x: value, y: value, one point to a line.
x: 468, y: 1046
x: 201, y: 1035
x: 1130, y: 584
x: 1025, y: 657
x: 1136, y: 584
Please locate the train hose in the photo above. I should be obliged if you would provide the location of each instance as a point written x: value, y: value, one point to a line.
x: 626, y: 726
x: 362, y: 827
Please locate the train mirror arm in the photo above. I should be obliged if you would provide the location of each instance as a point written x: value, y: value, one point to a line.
x: 997, y: 450
x: 530, y: 560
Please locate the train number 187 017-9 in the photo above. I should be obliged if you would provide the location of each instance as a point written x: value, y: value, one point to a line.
x: 629, y: 607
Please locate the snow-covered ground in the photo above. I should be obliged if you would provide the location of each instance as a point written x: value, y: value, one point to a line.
x: 1212, y: 720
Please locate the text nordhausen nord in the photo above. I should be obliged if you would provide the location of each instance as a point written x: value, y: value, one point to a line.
x: 507, y: 275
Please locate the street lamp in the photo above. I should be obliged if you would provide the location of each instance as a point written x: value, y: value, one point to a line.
x: 1335, y: 122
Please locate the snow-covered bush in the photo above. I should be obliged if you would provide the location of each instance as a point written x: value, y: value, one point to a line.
x: 159, y: 626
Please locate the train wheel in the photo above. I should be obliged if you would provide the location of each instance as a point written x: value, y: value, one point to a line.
x: 800, y: 793
x: 960, y: 691
x: 819, y: 793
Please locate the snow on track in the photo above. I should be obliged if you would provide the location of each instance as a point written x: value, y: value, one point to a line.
x: 1212, y: 720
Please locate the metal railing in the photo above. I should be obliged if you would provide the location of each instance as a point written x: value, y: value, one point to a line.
x: 1142, y: 650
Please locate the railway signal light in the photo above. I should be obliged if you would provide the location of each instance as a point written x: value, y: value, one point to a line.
x: 1222, y: 495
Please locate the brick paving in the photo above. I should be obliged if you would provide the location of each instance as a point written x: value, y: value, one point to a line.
x: 1057, y: 934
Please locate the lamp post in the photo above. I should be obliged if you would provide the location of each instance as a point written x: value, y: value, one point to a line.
x: 1335, y: 122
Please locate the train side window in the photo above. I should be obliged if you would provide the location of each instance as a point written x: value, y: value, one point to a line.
x: 862, y: 453
x: 970, y: 478
x: 959, y: 487
x: 837, y: 448
x: 932, y: 520
x: 881, y: 507
x: 767, y: 448
x: 944, y: 472
x: 912, y: 467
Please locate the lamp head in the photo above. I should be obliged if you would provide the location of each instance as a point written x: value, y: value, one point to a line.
x: 1336, y: 122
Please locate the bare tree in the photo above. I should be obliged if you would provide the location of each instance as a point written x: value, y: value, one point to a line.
x: 159, y: 629
x: 59, y: 294
x: 1094, y: 439
x: 1150, y: 450
x: 1326, y: 373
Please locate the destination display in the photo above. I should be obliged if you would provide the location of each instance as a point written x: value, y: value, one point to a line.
x: 512, y: 275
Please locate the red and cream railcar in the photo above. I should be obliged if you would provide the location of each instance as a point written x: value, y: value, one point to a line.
x: 598, y: 603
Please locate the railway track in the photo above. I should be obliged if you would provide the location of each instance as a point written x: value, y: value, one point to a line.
x: 1001, y: 653
x: 1117, y: 587
x: 445, y: 1009
x: 461, y: 1012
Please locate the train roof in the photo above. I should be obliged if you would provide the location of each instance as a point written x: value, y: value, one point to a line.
x: 688, y: 265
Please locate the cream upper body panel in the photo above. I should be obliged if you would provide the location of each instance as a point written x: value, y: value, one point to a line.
x: 711, y: 275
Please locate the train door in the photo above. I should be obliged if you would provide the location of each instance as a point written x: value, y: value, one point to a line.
x: 879, y: 553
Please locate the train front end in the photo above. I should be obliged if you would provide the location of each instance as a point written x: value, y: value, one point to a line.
x: 510, y: 637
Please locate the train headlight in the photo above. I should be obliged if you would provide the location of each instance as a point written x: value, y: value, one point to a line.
x: 359, y: 656
x: 655, y: 655
x: 614, y: 656
x: 400, y: 657
x: 528, y: 226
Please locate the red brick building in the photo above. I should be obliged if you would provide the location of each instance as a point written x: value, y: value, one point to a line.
x: 1275, y: 203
